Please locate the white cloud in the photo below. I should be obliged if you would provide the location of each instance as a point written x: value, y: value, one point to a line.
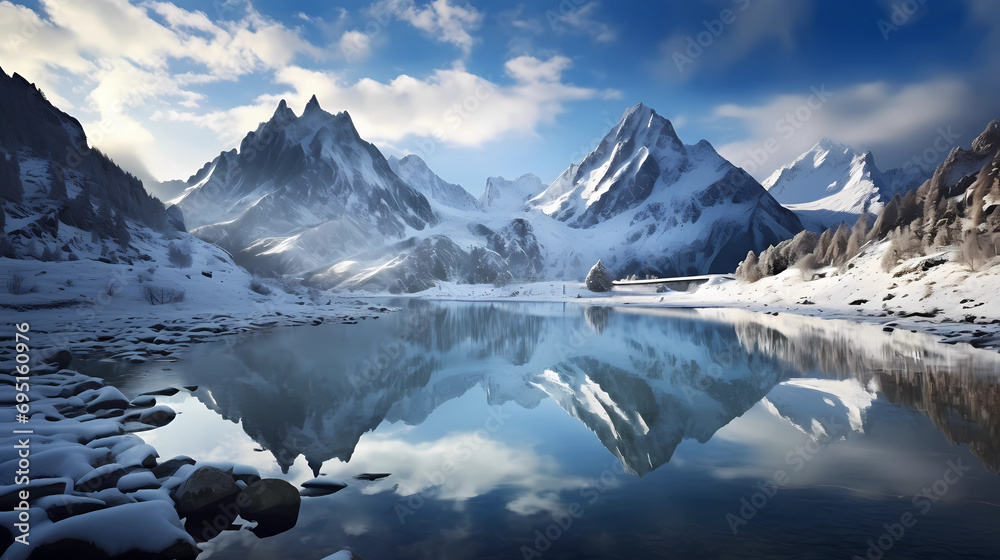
x: 895, y: 122
x: 104, y: 59
x: 462, y: 466
x: 530, y: 69
x: 355, y: 46
x: 447, y: 22
x: 451, y: 105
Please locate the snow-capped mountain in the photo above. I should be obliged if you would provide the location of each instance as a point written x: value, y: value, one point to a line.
x: 300, y: 192
x: 509, y: 196
x: 414, y: 172
x: 645, y: 203
x: 832, y: 182
x: 307, y: 195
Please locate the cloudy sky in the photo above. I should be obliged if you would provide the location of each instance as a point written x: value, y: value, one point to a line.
x: 482, y: 88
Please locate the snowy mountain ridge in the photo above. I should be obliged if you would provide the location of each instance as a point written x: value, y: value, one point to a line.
x: 832, y: 182
x: 646, y: 203
x: 302, y: 191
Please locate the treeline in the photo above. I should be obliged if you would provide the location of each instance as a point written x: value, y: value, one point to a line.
x: 937, y: 214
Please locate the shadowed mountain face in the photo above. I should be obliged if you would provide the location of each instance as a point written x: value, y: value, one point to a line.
x: 642, y: 383
x: 49, y: 172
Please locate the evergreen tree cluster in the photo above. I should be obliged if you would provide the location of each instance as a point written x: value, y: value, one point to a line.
x: 965, y: 214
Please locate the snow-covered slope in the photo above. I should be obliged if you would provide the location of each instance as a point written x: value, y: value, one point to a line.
x: 509, y: 196
x: 645, y: 203
x: 300, y: 192
x: 832, y: 182
x: 414, y: 172
x: 78, y: 233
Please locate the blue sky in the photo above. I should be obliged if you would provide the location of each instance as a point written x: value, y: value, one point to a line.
x: 503, y: 88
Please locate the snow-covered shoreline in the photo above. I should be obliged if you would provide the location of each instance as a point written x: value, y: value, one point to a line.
x: 72, y: 307
x: 931, y: 294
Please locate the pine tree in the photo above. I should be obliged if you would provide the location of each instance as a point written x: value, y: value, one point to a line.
x: 598, y: 279
x: 858, y: 235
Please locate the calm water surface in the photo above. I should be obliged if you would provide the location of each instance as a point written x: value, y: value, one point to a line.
x: 565, y: 431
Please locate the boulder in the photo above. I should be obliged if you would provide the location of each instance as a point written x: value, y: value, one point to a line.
x: 60, y: 359
x: 169, y: 467
x: 272, y: 503
x: 205, y: 488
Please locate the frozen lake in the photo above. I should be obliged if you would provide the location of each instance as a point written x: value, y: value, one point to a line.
x: 565, y: 431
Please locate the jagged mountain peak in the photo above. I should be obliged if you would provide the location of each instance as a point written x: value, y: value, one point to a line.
x: 677, y: 209
x: 828, y: 144
x: 313, y: 104
x: 989, y: 140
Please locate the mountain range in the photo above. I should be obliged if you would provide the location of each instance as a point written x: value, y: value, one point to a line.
x: 306, y: 196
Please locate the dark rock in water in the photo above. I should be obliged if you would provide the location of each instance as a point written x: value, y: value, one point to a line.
x: 321, y: 487
x: 60, y: 359
x: 169, y: 467
x: 167, y: 392
x: 272, y: 503
x: 370, y: 476
x: 206, y: 526
x: 143, y: 401
x: 157, y: 416
x: 100, y: 478
x: 191, y: 388
x: 205, y: 489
